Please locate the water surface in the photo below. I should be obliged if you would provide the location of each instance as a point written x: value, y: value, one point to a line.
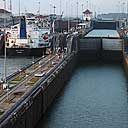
x: 13, y: 64
x: 95, y: 97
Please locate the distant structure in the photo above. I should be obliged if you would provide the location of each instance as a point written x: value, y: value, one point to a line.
x: 114, y: 16
x: 87, y: 15
x: 5, y: 14
x: 29, y: 15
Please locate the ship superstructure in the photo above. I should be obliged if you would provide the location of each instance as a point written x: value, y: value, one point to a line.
x: 29, y: 34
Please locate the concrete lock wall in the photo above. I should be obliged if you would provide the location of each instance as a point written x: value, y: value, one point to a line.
x: 29, y: 111
x: 100, y: 49
x: 90, y: 44
x: 58, y: 83
x: 112, y: 44
x: 105, y: 25
x: 89, y: 48
x: 112, y: 49
x: 125, y: 64
x: 126, y: 45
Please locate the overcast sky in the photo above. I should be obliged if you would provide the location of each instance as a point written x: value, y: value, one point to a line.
x: 68, y: 6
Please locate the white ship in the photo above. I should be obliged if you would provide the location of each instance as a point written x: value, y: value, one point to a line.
x: 28, y: 38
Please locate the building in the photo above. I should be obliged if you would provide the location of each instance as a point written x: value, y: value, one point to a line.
x: 4, y: 14
x: 87, y: 15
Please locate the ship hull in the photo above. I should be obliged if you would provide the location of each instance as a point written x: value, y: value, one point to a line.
x: 25, y: 52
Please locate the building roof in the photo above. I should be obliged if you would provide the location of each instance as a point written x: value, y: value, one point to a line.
x: 87, y: 11
x: 4, y: 11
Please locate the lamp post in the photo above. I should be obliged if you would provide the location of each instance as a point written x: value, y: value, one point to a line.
x: 54, y: 7
x: 11, y: 6
x: 77, y: 8
x: 19, y: 8
x: 50, y: 8
x: 60, y: 8
x: 68, y: 10
x: 5, y: 85
x: 123, y: 7
x: 53, y: 24
x: 4, y: 42
x: 39, y: 8
x: 82, y: 11
x: 87, y: 4
x: 127, y: 10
